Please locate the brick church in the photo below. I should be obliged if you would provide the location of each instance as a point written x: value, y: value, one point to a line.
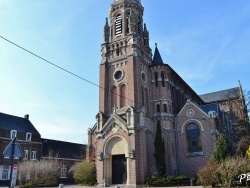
x: 137, y: 92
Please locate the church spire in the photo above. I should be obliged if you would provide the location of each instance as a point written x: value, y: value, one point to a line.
x: 146, y: 40
x: 157, y: 57
x: 146, y: 36
x: 106, y: 32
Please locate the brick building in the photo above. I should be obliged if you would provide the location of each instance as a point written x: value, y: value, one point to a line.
x: 139, y: 92
x: 28, y: 137
x: 35, y: 148
x: 66, y: 153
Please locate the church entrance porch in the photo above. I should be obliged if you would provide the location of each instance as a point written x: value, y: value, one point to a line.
x: 119, y: 169
x: 116, y: 168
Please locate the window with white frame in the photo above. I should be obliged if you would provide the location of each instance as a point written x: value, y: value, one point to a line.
x: 64, y: 170
x: 5, y: 173
x: 33, y: 156
x: 212, y: 114
x: 26, y: 155
x: 28, y: 136
x: 13, y: 134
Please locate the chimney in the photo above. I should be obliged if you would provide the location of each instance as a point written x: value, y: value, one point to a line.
x: 26, y: 116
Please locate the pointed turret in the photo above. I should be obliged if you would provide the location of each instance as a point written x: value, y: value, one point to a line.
x: 145, y: 36
x: 157, y: 57
x: 146, y: 40
x: 106, y: 32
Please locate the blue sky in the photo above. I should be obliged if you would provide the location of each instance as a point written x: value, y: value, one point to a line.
x: 206, y: 42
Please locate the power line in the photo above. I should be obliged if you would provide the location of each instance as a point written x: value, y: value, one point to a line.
x: 57, y: 66
x: 63, y: 69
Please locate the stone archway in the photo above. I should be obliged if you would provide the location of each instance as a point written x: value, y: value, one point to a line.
x: 116, y: 156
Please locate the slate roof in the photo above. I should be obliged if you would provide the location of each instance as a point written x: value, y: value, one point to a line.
x: 61, y: 149
x: 157, y: 57
x: 210, y: 107
x: 221, y: 95
x: 20, y: 124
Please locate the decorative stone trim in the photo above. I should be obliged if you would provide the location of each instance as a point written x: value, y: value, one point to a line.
x: 192, y: 120
x: 190, y: 112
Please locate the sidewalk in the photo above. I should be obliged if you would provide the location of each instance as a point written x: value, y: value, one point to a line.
x: 79, y: 186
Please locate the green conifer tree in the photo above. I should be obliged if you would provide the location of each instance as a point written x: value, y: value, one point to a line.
x: 159, y: 150
x: 222, y: 149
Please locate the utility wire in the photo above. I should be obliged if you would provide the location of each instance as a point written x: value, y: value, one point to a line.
x: 50, y: 62
x: 63, y: 69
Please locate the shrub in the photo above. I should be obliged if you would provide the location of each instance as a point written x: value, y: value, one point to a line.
x: 209, y: 174
x: 38, y: 172
x: 223, y: 173
x: 167, y: 181
x: 85, y: 173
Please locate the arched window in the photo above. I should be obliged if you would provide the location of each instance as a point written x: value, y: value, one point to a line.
x: 146, y: 97
x: 142, y: 96
x: 127, y: 23
x: 193, y: 138
x: 118, y: 25
x: 156, y: 79
x: 163, y: 79
x: 114, y: 97
x: 64, y: 170
x: 139, y: 27
x: 117, y: 50
x: 122, y: 96
x: 165, y: 108
x: 158, y: 108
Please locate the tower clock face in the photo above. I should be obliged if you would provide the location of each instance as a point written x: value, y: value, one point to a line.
x: 118, y: 75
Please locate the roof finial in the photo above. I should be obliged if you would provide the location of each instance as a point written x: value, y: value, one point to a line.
x: 155, y: 45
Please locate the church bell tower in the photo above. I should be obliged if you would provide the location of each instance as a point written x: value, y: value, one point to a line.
x: 118, y: 139
x: 125, y: 57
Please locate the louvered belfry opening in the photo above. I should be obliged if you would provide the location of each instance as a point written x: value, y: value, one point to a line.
x: 118, y: 25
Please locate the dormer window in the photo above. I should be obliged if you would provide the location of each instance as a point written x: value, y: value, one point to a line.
x: 212, y: 114
x: 28, y: 136
x: 13, y: 134
x: 118, y: 25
